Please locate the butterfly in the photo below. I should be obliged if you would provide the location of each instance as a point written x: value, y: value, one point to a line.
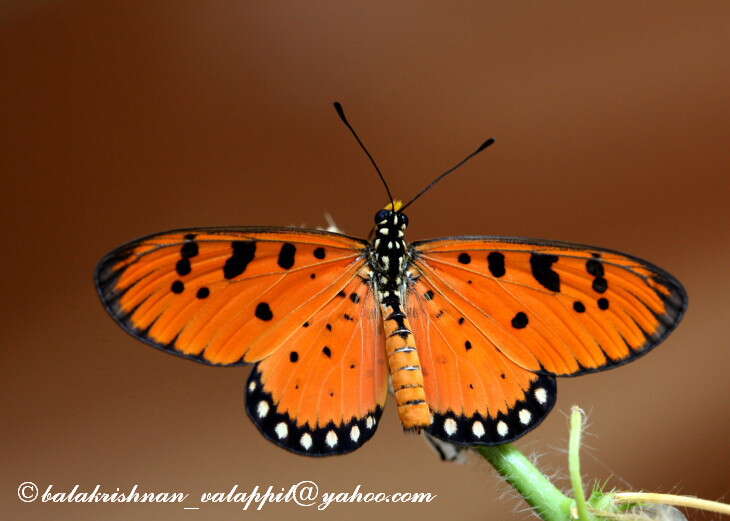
x: 471, y: 331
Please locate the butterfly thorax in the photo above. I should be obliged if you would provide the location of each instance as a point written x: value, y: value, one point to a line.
x: 389, y: 249
x: 389, y: 260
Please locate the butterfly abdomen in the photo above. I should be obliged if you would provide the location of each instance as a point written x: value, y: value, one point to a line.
x: 405, y: 370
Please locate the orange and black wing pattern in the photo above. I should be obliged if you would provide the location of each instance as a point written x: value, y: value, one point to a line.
x: 323, y: 393
x: 477, y: 395
x: 523, y: 311
x: 225, y: 296
x: 555, y: 307
x: 298, y: 303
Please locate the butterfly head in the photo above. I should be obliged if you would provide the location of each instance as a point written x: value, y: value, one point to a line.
x: 391, y: 218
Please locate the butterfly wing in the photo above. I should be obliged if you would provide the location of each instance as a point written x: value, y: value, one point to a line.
x: 553, y: 307
x: 477, y: 395
x: 323, y: 393
x: 496, y: 319
x: 225, y: 296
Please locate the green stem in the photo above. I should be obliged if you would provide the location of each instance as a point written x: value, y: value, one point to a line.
x: 533, y: 485
x: 576, y: 429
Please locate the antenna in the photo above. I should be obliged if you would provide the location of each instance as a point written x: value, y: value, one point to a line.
x: 489, y: 142
x: 341, y: 113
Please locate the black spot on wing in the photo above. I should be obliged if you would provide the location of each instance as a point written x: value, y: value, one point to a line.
x: 495, y: 263
x: 464, y: 258
x: 263, y: 312
x: 182, y: 267
x: 286, y: 255
x: 600, y: 285
x: 595, y: 267
x: 520, y: 320
x: 189, y: 250
x: 541, y: 266
x: 243, y: 253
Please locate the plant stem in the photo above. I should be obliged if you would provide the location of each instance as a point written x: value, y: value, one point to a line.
x: 552, y: 505
x: 671, y: 499
x: 533, y: 485
x: 576, y: 429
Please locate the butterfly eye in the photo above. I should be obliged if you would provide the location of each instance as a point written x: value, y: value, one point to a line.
x: 382, y: 215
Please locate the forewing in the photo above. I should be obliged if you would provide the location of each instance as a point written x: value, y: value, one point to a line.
x: 225, y: 296
x: 323, y: 392
x: 554, y: 307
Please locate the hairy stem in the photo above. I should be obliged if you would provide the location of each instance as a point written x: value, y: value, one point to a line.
x: 576, y: 430
x: 549, y: 502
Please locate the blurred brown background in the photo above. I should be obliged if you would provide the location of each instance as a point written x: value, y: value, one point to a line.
x: 125, y: 118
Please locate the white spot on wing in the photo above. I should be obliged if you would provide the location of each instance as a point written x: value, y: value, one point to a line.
x: 525, y: 416
x: 331, y: 438
x: 262, y: 409
x: 281, y: 430
x: 369, y: 422
x: 541, y: 395
x: 477, y: 428
x: 252, y: 387
x: 355, y: 433
x: 450, y: 426
x: 306, y: 441
x: 502, y: 428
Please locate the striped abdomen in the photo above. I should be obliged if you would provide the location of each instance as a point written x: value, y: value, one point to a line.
x: 405, y: 371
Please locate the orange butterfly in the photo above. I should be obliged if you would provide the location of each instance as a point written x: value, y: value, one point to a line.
x: 471, y: 330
